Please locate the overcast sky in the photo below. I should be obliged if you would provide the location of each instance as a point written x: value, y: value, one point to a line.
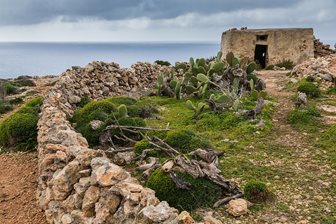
x: 157, y: 20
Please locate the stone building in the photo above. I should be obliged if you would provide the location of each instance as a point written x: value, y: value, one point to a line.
x: 270, y: 46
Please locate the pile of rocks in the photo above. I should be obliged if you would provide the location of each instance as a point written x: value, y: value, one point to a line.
x: 81, y: 185
x: 321, y: 50
x: 323, y: 69
x: 99, y: 79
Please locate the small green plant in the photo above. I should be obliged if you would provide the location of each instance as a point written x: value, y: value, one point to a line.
x: 286, y: 63
x: 257, y: 192
x: 202, y: 193
x: 309, y: 88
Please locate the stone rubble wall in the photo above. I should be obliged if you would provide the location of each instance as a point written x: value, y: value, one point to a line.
x: 80, y: 185
x: 322, y: 50
x: 322, y: 69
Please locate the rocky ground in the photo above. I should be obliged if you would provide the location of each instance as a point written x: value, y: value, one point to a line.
x: 18, y: 187
x: 299, y: 177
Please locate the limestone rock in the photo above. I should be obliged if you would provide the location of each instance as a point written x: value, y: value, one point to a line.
x: 95, y: 124
x: 238, y: 207
x: 160, y: 213
x: 211, y: 220
x: 185, y: 218
x: 90, y: 198
x: 108, y: 175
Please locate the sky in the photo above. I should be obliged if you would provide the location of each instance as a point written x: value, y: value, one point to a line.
x: 157, y: 20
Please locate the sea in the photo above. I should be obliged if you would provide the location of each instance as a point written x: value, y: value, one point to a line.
x: 39, y: 59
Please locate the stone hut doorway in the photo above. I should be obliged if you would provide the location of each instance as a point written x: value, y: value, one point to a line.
x: 260, y: 55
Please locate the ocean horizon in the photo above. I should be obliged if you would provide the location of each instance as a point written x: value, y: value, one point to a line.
x: 53, y: 58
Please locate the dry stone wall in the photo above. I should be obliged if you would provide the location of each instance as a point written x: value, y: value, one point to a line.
x: 80, y: 185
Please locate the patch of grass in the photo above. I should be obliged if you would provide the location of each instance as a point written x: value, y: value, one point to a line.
x: 305, y: 119
x: 286, y: 63
x: 20, y: 129
x: 309, y: 88
x: 202, y: 193
x: 257, y: 192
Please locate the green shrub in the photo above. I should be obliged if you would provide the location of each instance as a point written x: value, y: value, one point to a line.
x: 16, y: 101
x: 95, y: 110
x: 83, y: 101
x: 202, y: 193
x: 257, y: 192
x: 185, y: 141
x: 310, y: 78
x: 160, y: 62
x: 25, y: 82
x: 118, y: 100
x: 143, y: 111
x: 20, y: 129
x: 288, y: 64
x: 309, y: 88
x: 10, y: 88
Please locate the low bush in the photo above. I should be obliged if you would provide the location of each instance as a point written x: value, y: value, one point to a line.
x: 20, y: 129
x: 107, y: 112
x: 202, y: 193
x: 257, y: 192
x: 95, y: 110
x: 309, y: 88
x: 310, y: 78
x: 286, y: 63
x: 5, y: 107
x: 25, y: 82
x: 10, y: 88
x: 185, y: 141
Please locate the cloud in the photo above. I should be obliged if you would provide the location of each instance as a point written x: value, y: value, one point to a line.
x: 154, y: 20
x: 16, y: 12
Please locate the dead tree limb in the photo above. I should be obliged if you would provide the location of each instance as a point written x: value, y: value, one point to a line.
x: 226, y: 200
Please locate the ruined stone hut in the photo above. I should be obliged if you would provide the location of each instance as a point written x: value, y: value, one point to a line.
x: 270, y: 46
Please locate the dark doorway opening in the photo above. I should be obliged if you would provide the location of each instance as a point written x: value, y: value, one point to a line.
x: 260, y: 55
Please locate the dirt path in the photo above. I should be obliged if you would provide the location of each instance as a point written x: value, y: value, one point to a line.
x: 18, y: 184
x: 304, y: 187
